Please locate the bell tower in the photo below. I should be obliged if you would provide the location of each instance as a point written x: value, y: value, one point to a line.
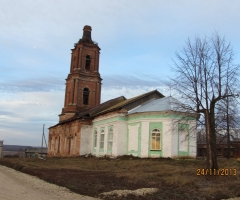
x: 83, y: 84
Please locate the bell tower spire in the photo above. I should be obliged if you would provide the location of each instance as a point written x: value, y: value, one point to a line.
x: 87, y: 34
x: 83, y: 84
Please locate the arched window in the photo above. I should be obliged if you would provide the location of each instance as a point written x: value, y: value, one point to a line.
x: 110, y: 138
x: 87, y: 64
x: 155, y: 139
x: 102, y: 139
x: 58, y: 144
x: 95, y: 139
x: 69, y: 143
x: 85, y: 96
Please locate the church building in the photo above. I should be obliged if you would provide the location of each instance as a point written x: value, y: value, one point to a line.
x: 149, y: 125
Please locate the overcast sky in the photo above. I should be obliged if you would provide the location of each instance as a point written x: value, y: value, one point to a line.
x: 138, y: 40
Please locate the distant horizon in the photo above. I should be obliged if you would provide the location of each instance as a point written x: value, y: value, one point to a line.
x: 21, y: 145
x: 17, y: 145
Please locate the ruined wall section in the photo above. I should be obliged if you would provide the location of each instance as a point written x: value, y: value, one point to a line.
x: 64, y: 139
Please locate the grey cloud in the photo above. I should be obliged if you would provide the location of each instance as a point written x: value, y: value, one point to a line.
x: 58, y: 83
x: 128, y: 81
x: 7, y: 113
x: 34, y: 85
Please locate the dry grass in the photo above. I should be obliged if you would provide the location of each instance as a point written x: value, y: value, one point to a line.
x: 176, y: 179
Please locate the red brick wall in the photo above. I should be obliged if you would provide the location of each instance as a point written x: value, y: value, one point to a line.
x: 64, y: 140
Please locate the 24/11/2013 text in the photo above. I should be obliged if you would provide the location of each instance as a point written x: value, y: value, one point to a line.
x: 215, y: 172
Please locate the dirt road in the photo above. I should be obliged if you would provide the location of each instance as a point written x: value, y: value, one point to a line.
x: 20, y: 186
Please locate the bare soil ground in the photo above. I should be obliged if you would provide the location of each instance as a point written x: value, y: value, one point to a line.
x: 175, y: 179
x: 16, y: 185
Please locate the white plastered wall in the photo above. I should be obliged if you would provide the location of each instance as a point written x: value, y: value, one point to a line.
x: 167, y: 137
x: 120, y: 128
x: 173, y: 126
x: 193, y: 140
x: 115, y: 136
x: 121, y: 138
x: 86, y: 140
x: 145, y: 139
x: 133, y: 138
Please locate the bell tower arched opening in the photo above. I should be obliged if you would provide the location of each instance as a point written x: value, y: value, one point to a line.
x: 85, y: 96
x: 87, y: 63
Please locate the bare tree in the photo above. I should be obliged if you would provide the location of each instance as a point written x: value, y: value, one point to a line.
x: 205, y: 75
x: 227, y: 119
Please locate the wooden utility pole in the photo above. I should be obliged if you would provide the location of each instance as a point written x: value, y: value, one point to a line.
x: 43, y: 137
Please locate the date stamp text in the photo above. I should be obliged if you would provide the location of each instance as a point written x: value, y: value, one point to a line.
x: 215, y: 172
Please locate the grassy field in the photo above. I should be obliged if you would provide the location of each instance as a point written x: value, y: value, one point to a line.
x: 175, y: 179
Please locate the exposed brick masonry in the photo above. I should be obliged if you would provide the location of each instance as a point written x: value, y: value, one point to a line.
x: 83, y: 84
x: 83, y: 92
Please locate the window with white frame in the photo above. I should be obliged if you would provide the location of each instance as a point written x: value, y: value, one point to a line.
x: 95, y: 139
x: 155, y: 139
x: 102, y: 139
x: 110, y: 139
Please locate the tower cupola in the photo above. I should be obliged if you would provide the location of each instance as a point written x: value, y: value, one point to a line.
x: 86, y: 34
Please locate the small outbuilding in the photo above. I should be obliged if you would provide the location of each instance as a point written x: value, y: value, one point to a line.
x: 35, y: 152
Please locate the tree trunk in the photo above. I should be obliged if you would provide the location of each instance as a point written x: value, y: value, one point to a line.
x: 211, y: 140
x: 213, y: 137
x: 209, y: 152
x: 228, y: 134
